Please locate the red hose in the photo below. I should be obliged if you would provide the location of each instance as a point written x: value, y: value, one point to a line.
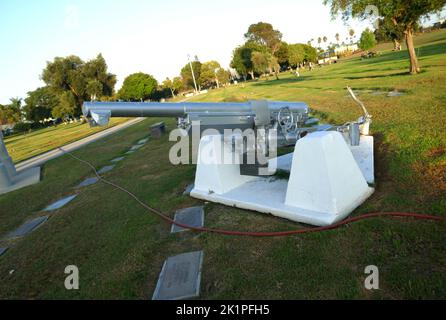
x: 307, y: 230
x: 261, y: 234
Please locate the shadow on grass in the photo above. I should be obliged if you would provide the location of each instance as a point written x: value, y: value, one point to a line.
x: 268, y: 83
x: 378, y: 76
x: 422, y: 52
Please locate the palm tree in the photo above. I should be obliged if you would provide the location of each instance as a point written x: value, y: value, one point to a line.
x: 337, y: 36
x: 11, y: 113
x: 15, y: 109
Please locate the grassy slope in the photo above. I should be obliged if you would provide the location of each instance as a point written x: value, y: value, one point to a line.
x: 28, y: 145
x: 119, y: 248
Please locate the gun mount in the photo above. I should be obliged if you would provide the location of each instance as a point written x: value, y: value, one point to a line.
x: 330, y: 169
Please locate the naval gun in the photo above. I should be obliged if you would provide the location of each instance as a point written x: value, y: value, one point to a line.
x: 288, y: 118
x: 330, y: 170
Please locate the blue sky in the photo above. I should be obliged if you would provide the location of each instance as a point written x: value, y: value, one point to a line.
x: 149, y: 36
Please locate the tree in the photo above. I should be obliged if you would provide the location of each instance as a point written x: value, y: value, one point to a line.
x: 242, y: 58
x: 84, y: 81
x: 241, y: 61
x: 297, y: 54
x: 387, y: 31
x: 66, y: 107
x: 169, y: 85
x: 208, y: 75
x: 310, y: 53
x: 283, y: 55
x: 338, y: 37
x: 264, y: 34
x: 367, y: 40
x: 174, y: 85
x: 39, y: 104
x: 138, y: 87
x: 260, y: 62
x: 186, y: 74
x: 402, y: 13
x: 11, y: 113
x: 325, y: 39
x: 177, y: 83
x: 222, y: 77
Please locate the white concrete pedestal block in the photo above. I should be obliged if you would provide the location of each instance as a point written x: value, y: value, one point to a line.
x: 10, y: 179
x: 325, y: 185
x: 325, y: 177
x: 213, y: 175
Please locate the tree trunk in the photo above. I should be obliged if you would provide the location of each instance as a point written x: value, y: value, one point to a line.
x: 252, y: 75
x: 414, y: 68
x: 173, y: 94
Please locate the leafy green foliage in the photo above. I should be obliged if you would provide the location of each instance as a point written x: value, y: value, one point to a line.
x: 174, y: 85
x: 264, y: 34
x: 310, y: 53
x: 223, y: 76
x: 66, y: 106
x: 242, y: 57
x: 75, y: 81
x: 12, y: 112
x: 260, y: 61
x: 186, y: 74
x: 138, y: 87
x: 283, y: 55
x: 40, y: 103
x: 208, y: 75
x: 367, y: 40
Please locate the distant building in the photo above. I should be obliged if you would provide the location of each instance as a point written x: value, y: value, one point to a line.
x: 328, y: 60
x: 345, y: 48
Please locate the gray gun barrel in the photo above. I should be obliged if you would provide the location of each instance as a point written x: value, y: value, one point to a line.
x: 102, y: 111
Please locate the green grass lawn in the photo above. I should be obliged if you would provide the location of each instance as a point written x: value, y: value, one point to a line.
x: 120, y: 248
x: 27, y: 145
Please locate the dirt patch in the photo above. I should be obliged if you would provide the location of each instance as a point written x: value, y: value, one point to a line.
x: 432, y: 178
x: 436, y: 152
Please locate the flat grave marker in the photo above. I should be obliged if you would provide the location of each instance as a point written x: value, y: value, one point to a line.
x: 143, y: 141
x: 136, y: 147
x: 193, y: 217
x: 180, y: 277
x: 3, y: 250
x: 27, y: 227
x: 106, y: 169
x: 88, y: 182
x: 60, y: 203
x: 115, y: 160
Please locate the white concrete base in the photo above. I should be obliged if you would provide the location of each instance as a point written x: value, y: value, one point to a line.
x: 22, y: 179
x: 363, y: 155
x: 325, y: 185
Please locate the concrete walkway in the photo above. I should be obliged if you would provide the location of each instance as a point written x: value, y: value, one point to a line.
x: 41, y: 159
